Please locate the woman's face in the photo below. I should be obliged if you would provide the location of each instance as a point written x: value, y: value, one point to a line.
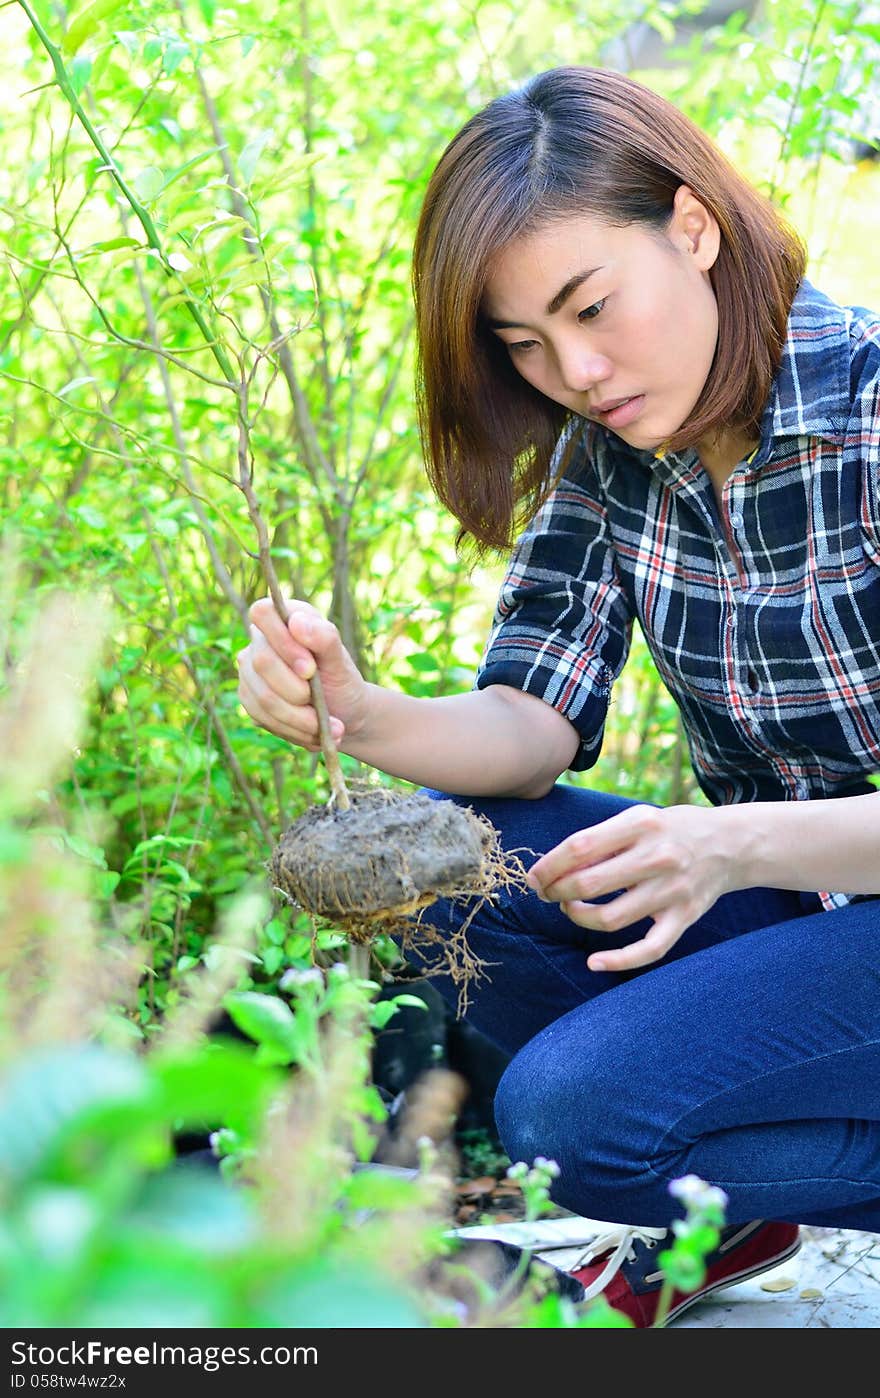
x: 594, y: 314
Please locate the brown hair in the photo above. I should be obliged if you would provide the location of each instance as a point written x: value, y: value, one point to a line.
x: 595, y: 141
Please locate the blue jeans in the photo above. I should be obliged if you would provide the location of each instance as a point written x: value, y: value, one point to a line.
x: 750, y: 1055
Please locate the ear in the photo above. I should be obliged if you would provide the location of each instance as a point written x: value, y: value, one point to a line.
x: 694, y: 229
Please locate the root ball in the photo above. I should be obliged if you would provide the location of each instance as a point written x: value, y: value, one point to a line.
x: 386, y: 854
x: 378, y: 866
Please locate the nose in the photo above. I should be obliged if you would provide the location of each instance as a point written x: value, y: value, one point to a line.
x: 581, y: 368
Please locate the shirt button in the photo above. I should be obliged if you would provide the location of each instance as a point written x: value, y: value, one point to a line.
x: 736, y: 519
x: 752, y: 681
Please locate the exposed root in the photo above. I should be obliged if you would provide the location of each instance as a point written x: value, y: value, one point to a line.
x: 377, y: 867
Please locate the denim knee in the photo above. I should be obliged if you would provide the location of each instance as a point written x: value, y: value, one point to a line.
x: 583, y: 1117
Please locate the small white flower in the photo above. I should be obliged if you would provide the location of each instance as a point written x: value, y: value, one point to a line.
x: 714, y: 1196
x: 296, y: 977
x: 549, y: 1167
x: 697, y: 1193
x: 688, y: 1187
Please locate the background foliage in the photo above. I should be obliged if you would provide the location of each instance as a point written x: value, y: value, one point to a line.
x: 270, y: 162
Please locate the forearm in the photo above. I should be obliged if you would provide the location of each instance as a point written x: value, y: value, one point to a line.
x: 489, y: 742
x: 808, y: 845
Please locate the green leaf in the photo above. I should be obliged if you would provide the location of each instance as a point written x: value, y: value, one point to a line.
x: 412, y: 1000
x: 106, y: 245
x: 190, y: 164
x: 424, y: 662
x: 220, y: 1083
x: 601, y: 1316
x: 172, y: 127
x: 266, y: 1020
x: 80, y: 71
x: 148, y: 182
x: 132, y: 542
x: 53, y: 1093
x: 120, y: 1027
x: 317, y: 1293
x: 161, y: 1283
x: 93, y: 854
x: 162, y: 841
x: 157, y: 794
x: 129, y: 39
x: 175, y: 51
x: 75, y: 383
x: 89, y: 516
x: 196, y: 1208
x: 14, y: 846
x: 275, y: 931
x: 376, y: 1189
x: 273, y: 960
x: 682, y: 1269
x: 381, y: 1013
x: 85, y: 22
x: 250, y: 155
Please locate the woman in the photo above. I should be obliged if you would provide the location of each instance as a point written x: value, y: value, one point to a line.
x: 617, y: 344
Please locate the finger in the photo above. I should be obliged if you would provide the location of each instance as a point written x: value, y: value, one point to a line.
x: 297, y: 725
x: 265, y: 618
x: 646, y: 899
x: 265, y: 667
x: 587, y: 847
x: 620, y: 871
x: 653, y: 947
x: 255, y: 666
x: 319, y: 636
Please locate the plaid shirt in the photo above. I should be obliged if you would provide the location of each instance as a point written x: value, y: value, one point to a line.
x: 763, y: 615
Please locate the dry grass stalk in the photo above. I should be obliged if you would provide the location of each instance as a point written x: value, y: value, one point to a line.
x: 42, y: 713
x: 60, y: 975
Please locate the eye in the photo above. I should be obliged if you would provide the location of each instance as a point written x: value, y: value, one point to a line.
x: 522, y: 346
x: 592, y: 311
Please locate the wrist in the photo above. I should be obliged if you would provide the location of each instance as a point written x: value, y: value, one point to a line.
x: 366, y: 728
x: 745, y: 839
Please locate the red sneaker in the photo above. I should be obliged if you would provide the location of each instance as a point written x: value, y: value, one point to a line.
x: 622, y: 1263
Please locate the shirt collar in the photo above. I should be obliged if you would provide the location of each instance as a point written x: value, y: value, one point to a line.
x: 810, y: 394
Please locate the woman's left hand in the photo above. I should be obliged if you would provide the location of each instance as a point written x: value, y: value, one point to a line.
x: 672, y: 865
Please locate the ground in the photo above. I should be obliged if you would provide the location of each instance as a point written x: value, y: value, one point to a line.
x: 833, y: 1283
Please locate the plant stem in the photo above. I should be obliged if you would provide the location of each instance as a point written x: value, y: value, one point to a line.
x: 143, y: 218
x: 663, y: 1304
x: 328, y: 747
x: 316, y: 689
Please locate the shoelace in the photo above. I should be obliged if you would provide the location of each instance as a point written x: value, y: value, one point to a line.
x: 622, y: 1240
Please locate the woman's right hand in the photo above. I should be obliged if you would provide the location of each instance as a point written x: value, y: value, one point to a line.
x: 275, y: 668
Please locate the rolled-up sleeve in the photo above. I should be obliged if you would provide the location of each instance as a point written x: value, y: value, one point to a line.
x: 562, y: 623
x: 869, y: 432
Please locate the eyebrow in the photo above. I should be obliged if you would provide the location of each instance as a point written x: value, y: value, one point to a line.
x: 554, y: 305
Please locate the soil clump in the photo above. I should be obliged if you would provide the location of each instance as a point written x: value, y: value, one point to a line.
x: 378, y: 865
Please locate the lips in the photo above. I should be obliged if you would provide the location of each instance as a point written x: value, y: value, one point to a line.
x: 620, y: 412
